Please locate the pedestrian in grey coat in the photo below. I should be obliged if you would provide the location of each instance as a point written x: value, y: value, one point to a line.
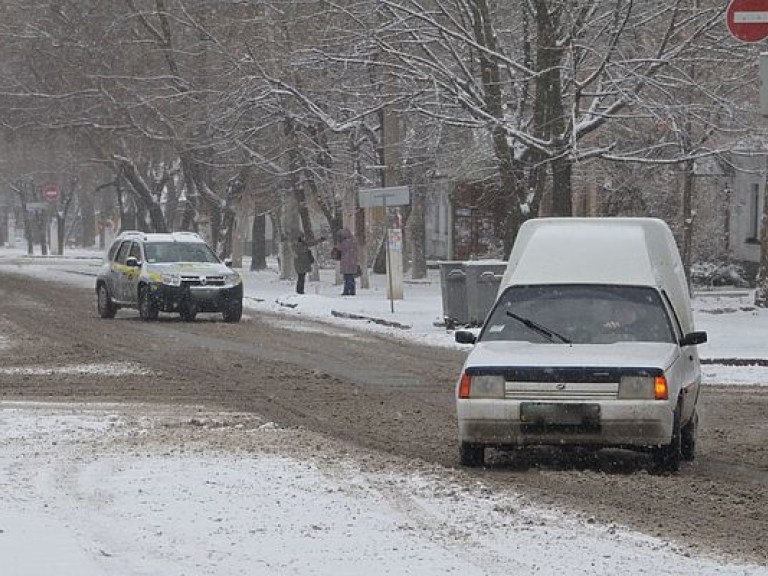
x: 348, y: 264
x: 303, y: 259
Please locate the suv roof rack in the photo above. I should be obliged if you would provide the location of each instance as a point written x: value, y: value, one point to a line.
x: 138, y: 234
x: 131, y: 234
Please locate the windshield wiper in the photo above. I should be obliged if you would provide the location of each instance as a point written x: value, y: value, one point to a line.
x: 538, y: 328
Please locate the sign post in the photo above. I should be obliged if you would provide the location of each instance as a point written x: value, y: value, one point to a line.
x: 388, y: 198
x: 11, y: 230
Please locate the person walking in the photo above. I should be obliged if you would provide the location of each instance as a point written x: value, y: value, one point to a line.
x: 346, y: 248
x: 303, y: 260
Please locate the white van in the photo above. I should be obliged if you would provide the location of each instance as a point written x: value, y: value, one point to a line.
x: 590, y: 343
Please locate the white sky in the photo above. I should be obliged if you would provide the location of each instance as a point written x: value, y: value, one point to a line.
x: 103, y: 490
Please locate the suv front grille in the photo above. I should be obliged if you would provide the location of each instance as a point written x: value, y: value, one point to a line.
x: 562, y: 383
x: 192, y: 281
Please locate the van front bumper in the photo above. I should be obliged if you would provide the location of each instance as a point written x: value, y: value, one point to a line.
x: 622, y: 423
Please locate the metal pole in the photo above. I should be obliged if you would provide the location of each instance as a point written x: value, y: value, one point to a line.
x: 388, y: 256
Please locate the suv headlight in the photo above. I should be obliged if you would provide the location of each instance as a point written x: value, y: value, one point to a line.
x: 172, y: 279
x: 232, y: 278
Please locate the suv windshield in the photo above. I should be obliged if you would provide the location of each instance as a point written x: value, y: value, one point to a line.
x: 581, y: 314
x: 158, y: 252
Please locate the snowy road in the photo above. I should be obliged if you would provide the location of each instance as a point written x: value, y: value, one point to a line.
x: 127, y: 490
x: 360, y: 475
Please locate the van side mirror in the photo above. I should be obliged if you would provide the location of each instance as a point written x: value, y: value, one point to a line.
x: 132, y: 262
x: 465, y: 337
x: 693, y: 338
x: 228, y: 262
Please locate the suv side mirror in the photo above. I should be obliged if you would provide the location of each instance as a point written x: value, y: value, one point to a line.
x: 693, y: 339
x: 465, y: 337
x: 228, y: 262
x: 132, y: 261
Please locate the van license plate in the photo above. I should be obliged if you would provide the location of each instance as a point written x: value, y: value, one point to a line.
x: 551, y: 413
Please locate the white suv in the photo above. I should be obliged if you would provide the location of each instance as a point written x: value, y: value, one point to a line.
x: 175, y: 272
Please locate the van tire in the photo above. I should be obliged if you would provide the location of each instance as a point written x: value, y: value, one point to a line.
x: 688, y: 438
x: 666, y: 458
x: 471, y: 455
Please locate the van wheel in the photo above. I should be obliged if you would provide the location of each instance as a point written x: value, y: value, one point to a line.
x: 107, y: 308
x: 666, y: 458
x: 147, y: 309
x: 688, y: 437
x: 471, y: 455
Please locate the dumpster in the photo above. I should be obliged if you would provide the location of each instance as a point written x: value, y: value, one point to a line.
x: 483, y: 280
x: 453, y: 283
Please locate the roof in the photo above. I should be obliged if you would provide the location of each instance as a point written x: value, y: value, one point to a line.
x: 160, y: 237
x: 619, y: 251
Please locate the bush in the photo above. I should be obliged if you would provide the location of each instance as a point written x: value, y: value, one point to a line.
x: 719, y: 274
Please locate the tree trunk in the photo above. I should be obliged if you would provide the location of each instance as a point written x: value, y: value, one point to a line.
x: 88, y: 219
x: 258, y: 242
x: 417, y: 233
x: 144, y: 195
x: 688, y: 219
x: 40, y: 225
x: 549, y: 121
x: 562, y: 201
x: 514, y: 195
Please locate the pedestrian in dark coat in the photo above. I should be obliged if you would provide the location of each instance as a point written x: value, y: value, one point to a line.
x: 348, y: 264
x: 303, y: 260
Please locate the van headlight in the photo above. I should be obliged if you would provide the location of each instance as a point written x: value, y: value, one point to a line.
x: 172, y: 279
x: 643, y: 388
x: 481, y: 386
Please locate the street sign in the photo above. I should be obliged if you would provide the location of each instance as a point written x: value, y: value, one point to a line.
x: 748, y: 19
x: 36, y: 206
x: 384, y: 197
x: 51, y: 193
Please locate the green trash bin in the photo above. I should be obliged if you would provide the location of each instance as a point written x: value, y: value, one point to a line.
x: 453, y: 283
x: 483, y: 280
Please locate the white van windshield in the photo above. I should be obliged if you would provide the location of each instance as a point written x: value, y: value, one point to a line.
x: 579, y: 314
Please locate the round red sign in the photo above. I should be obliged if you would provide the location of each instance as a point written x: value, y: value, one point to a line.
x: 51, y: 193
x: 748, y: 19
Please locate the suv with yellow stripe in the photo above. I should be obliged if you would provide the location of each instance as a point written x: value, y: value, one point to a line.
x: 176, y: 272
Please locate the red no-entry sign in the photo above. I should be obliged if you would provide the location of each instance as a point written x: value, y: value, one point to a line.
x: 748, y: 19
x: 51, y: 193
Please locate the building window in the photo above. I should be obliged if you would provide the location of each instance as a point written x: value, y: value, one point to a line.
x: 753, y: 235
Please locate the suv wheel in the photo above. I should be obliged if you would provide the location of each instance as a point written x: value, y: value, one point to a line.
x: 233, y: 311
x: 666, y: 458
x: 147, y: 309
x: 188, y: 313
x: 107, y: 308
x: 471, y: 455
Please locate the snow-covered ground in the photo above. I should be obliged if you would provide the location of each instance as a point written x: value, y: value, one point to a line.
x: 134, y: 490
